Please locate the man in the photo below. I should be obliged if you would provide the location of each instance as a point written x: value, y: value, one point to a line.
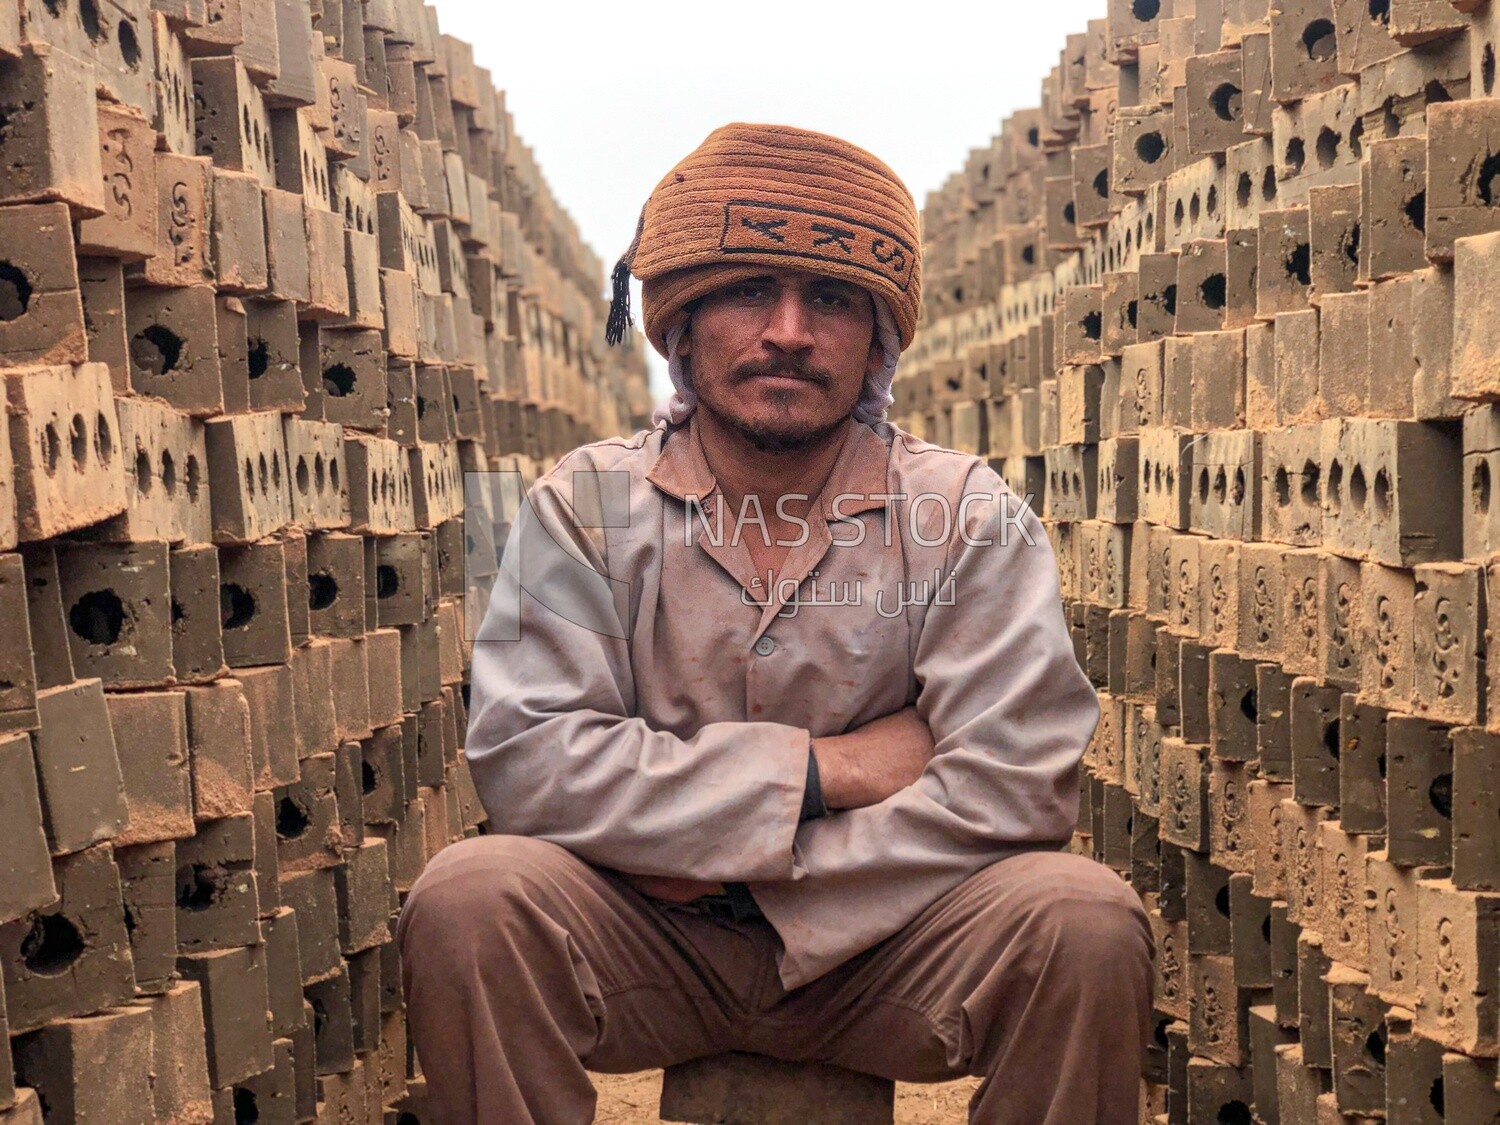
x: 785, y: 746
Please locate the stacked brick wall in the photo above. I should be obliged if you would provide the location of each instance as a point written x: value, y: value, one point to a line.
x: 273, y: 275
x: 1227, y: 306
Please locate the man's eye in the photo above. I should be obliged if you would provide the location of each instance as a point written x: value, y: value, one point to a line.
x: 831, y: 300
x: 748, y: 292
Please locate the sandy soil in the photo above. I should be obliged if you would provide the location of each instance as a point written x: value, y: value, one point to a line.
x: 631, y: 1099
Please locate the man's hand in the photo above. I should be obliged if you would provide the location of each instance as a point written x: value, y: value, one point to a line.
x: 874, y: 762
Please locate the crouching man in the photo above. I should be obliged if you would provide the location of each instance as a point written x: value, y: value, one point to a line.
x: 775, y: 714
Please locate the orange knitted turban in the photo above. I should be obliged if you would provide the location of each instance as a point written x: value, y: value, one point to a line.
x: 752, y: 196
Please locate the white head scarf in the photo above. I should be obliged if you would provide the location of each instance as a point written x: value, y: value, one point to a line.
x: 874, y: 400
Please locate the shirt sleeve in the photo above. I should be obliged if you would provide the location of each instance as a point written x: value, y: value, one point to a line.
x: 1011, y: 714
x: 557, y: 754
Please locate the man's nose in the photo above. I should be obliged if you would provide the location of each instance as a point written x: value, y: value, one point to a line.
x: 789, y: 328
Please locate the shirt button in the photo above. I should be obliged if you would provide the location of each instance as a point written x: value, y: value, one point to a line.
x: 765, y: 646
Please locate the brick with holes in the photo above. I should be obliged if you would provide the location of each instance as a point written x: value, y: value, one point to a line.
x: 319, y: 488
x: 197, y: 637
x: 174, y: 347
x: 216, y: 896
x: 1394, y: 201
x: 49, y: 149
x: 41, y: 311
x: 71, y: 957
x: 1463, y: 173
x: 1317, y: 143
x: 307, y: 831
x: 1291, y: 476
x: 233, y: 128
x: 253, y: 596
x: 1402, y: 480
x: 1337, y: 233
x: 1304, y: 50
x: 150, y: 732
x: 248, y: 488
x: 344, y: 374
x: 1419, y: 791
x: 118, y: 603
x: 167, y: 486
x: 1202, y: 293
x: 1284, y: 277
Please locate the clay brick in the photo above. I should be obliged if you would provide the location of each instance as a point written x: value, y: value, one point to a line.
x: 1337, y: 238
x: 1344, y: 920
x: 72, y: 957
x: 327, y: 271
x: 1362, y: 766
x: 248, y: 487
x: 1460, y: 136
x: 93, y: 1070
x: 234, y: 1011
x: 1303, y: 864
x: 311, y: 894
x: 147, y: 888
x: 174, y: 347
x: 118, y: 602
x: 383, y: 659
x: 27, y: 884
x: 150, y: 731
x: 288, y: 262
x: 233, y: 127
x: 1393, y: 930
x: 272, y: 356
x: 307, y: 819
x: 1273, y: 721
x: 1419, y: 791
x: 50, y: 151
x: 284, y: 967
x: 1384, y: 631
x: 1342, y: 600
x: 167, y: 489
x: 351, y: 677
x: 312, y: 679
x: 217, y: 903
x: 127, y: 229
x: 1315, y: 714
x: 273, y: 724
x: 1250, y: 922
x: 1304, y: 50
x: 267, y: 876
x: 253, y: 595
x: 1432, y: 344
x: 41, y: 313
x: 1358, y: 1039
x: 1448, y: 626
x: 1219, y: 1012
x: 1415, y: 1090
x: 380, y: 486
x: 183, y: 250
x: 197, y: 639
x: 1284, y: 278
x: 364, y: 897
x: 179, y: 1073
x: 82, y: 789
x: 1458, y: 960
x: 1228, y: 806
x: 239, y: 234
x: 61, y: 487
x: 172, y: 106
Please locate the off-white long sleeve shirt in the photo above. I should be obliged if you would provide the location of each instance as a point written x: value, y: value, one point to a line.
x: 652, y: 705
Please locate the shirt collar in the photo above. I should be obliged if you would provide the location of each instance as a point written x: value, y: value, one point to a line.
x: 859, y: 473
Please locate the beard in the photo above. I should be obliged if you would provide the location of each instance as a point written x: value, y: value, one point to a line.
x: 784, y: 435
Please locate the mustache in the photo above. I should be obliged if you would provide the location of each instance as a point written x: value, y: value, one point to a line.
x: 792, y: 368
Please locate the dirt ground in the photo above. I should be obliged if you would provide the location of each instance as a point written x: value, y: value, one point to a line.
x: 631, y: 1099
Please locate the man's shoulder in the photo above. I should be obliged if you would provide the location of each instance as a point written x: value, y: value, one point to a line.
x: 612, y: 454
x: 918, y: 466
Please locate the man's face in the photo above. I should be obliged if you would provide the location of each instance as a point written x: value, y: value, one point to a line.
x: 781, y: 358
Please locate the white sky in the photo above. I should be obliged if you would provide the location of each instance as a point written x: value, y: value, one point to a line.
x: 610, y: 96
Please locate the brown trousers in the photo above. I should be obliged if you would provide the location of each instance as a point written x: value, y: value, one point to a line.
x: 525, y: 967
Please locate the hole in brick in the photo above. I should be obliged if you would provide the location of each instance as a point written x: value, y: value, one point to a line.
x: 1331, y: 739
x: 51, y: 449
x: 52, y: 946
x: 1434, y: 93
x: 1358, y: 488
x: 369, y: 778
x: 1234, y: 1113
x: 236, y: 605
x: 1237, y: 493
x: 1351, y: 244
x: 88, y: 14
x: 1221, y: 900
x: 1479, y: 488
x: 1203, y: 485
x: 322, y: 590
x: 1382, y: 493
x: 1211, y: 204
x: 178, y: 615
x: 1133, y: 312
x: 249, y: 478
x: 1487, y: 69
x: 200, y: 886
x: 1169, y: 300
x: 1244, y: 189
x: 1299, y: 264
x: 1328, y: 147
x: 246, y: 1110
x: 1357, y: 138
x: 387, y: 579
x: 276, y: 470
x: 1283, y: 487
x: 1375, y: 1046
x: 408, y: 1119
x: 259, y: 358
x: 318, y: 472
x: 168, y: 473
x: 1195, y: 210
x: 1250, y: 706
x: 156, y: 349
x: 1416, y: 211
x: 1070, y: 214
x: 1145, y: 10
x: 1028, y: 255
x: 1440, y: 793
x: 1319, y: 41
x: 1265, y: 929
x: 1335, y: 487
x: 98, y: 617
x: 1151, y: 147
x: 1380, y: 10
x: 1179, y: 216
x: 1390, y: 123
x: 104, y: 439
x: 1268, y: 185
x: 304, y: 478
x: 291, y: 819
x: 1093, y: 325
x: 142, y: 472
x: 1226, y: 101
x: 130, y: 45
x: 1435, y: 1096
x: 1214, y: 291
x: 54, y: 8
x: 1160, y: 1034
x: 1488, y: 176
x: 190, y: 478
x: 338, y: 380
x: 264, y: 475
x: 1296, y: 155
x: 78, y: 441
x: 15, y: 292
